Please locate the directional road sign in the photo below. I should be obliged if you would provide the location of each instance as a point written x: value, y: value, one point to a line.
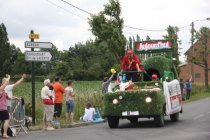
x: 37, y: 56
x: 44, y: 45
x: 33, y: 36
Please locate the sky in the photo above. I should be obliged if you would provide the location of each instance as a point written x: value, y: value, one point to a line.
x: 64, y: 25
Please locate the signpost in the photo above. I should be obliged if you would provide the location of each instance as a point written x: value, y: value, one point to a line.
x: 36, y: 56
x: 43, y: 45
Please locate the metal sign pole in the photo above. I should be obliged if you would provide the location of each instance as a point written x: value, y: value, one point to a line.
x: 33, y: 85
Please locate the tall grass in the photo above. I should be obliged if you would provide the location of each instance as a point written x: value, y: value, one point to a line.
x: 85, y: 91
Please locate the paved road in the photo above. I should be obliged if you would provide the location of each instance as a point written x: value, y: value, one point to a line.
x: 194, y: 124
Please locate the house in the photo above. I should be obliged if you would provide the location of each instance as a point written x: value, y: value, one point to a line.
x: 195, y: 69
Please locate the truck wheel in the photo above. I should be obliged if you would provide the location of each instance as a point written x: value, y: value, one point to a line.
x: 174, y: 117
x: 133, y: 120
x: 113, y: 122
x: 159, y: 120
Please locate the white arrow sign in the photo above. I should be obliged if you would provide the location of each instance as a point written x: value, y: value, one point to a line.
x: 44, y: 45
x: 37, y: 56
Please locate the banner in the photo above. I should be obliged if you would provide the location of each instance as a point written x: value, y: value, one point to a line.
x: 153, y: 45
x: 173, y: 97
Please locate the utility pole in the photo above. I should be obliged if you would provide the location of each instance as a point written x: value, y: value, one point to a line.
x: 192, y: 43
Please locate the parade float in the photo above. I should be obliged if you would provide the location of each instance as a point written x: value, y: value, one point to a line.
x: 146, y: 98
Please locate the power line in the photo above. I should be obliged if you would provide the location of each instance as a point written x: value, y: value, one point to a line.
x: 77, y: 7
x: 130, y: 27
x: 124, y: 26
x: 144, y: 29
x: 66, y: 10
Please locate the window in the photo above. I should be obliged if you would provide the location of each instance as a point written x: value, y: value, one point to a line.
x: 197, y: 75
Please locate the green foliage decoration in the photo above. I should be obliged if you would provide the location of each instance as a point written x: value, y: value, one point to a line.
x: 134, y: 101
x: 159, y: 63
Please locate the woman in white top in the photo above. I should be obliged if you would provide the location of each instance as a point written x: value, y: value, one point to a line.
x: 89, y: 113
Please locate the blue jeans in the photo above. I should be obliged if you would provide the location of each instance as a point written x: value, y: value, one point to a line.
x: 70, y: 106
x: 188, y: 94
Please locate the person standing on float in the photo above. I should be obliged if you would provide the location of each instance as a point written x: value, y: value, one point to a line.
x: 131, y: 66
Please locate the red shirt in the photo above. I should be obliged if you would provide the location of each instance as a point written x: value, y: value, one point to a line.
x: 130, y: 63
x: 3, y: 101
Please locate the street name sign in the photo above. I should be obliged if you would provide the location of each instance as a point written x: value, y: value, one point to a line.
x: 37, y: 56
x: 33, y: 36
x: 43, y: 45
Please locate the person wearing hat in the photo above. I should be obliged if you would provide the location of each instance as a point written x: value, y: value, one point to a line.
x: 154, y: 77
x: 130, y: 65
x: 48, y: 106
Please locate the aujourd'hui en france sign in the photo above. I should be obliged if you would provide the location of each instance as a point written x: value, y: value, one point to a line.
x: 153, y: 45
x: 43, y: 45
x: 37, y: 56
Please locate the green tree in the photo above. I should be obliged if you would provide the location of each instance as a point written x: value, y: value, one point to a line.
x: 148, y: 38
x: 204, y: 51
x: 5, y: 50
x: 130, y: 43
x: 172, y: 35
x: 138, y: 39
x: 21, y: 66
x: 89, y: 61
x: 107, y: 27
x: 50, y: 67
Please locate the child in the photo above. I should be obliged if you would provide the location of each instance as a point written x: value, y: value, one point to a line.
x: 89, y: 113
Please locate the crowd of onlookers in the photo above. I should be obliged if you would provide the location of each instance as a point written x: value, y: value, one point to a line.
x: 52, y: 95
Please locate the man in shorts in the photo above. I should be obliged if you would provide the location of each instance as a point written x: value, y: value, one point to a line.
x: 47, y: 105
x: 58, y: 91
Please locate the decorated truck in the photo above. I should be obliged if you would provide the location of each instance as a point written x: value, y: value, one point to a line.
x: 147, y: 98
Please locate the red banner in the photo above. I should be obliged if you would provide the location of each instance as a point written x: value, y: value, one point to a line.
x: 153, y: 45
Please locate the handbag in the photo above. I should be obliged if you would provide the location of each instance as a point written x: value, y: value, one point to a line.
x: 47, y: 101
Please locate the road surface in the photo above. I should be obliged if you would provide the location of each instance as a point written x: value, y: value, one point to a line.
x: 194, y: 124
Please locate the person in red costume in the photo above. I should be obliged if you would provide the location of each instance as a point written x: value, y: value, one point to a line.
x: 131, y: 66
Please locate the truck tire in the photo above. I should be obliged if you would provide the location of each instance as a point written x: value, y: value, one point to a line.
x: 159, y: 120
x: 113, y: 122
x: 174, y: 117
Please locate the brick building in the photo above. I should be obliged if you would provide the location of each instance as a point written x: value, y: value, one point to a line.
x: 198, y: 67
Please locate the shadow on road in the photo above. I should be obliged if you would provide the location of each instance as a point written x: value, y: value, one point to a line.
x: 146, y: 124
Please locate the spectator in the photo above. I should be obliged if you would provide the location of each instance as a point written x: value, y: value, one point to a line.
x: 47, y: 100
x: 69, y: 94
x: 107, y: 81
x: 4, y: 114
x: 131, y: 65
x: 182, y: 88
x: 58, y: 90
x: 89, y: 113
x: 9, y: 88
x: 188, y: 88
